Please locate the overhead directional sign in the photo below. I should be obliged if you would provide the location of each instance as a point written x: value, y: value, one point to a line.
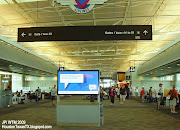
x: 85, y: 33
x: 132, y: 69
x: 61, y: 68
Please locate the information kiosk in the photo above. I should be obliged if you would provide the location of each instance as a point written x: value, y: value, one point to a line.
x: 78, y: 112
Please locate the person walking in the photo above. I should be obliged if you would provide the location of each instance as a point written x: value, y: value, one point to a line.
x: 37, y: 95
x: 53, y: 94
x: 136, y: 92
x: 154, y: 95
x: 127, y: 91
x: 122, y: 94
x: 142, y: 94
x: 118, y: 94
x: 116, y: 90
x: 150, y: 95
x: 159, y: 95
x: 112, y: 94
x: 101, y: 95
x: 130, y: 92
x: 39, y: 92
x: 173, y: 97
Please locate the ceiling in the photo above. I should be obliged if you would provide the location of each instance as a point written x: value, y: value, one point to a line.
x: 168, y: 69
x: 21, y: 69
x: 163, y: 15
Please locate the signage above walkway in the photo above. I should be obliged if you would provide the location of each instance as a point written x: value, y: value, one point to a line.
x: 132, y: 69
x: 85, y: 33
x: 81, y: 6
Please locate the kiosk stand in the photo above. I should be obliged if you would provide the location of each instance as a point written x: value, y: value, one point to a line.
x: 78, y: 112
x: 5, y: 98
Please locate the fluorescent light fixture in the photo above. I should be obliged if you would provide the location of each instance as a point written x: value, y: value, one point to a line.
x: 118, y: 58
x: 149, y: 52
x: 45, y: 54
x: 169, y: 67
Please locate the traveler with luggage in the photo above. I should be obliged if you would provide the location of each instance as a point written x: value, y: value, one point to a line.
x: 173, y: 96
x: 159, y: 95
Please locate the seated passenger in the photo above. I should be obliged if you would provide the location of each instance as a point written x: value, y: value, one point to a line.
x: 15, y: 97
x: 21, y: 97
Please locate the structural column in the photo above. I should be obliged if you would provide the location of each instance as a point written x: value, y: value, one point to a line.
x: 175, y: 80
x: 23, y: 81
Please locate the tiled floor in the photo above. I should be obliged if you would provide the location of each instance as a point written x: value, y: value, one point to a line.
x: 133, y: 115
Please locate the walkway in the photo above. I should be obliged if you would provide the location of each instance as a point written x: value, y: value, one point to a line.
x: 133, y: 115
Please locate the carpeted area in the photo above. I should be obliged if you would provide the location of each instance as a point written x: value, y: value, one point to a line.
x: 133, y: 115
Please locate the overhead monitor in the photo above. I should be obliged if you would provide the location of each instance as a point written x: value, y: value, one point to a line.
x: 78, y: 82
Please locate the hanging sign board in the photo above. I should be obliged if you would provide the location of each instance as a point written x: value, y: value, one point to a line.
x: 85, y: 33
x: 61, y: 68
x: 132, y: 69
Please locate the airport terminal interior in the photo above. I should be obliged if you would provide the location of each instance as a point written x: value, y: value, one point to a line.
x: 90, y: 64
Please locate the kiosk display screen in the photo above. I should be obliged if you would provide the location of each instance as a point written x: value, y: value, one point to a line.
x: 78, y: 82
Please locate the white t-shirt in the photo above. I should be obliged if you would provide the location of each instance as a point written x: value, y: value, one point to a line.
x: 53, y: 91
x: 22, y: 94
x: 116, y: 89
x: 160, y: 90
x: 136, y: 90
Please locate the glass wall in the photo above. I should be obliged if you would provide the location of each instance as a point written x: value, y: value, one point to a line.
x: 106, y: 83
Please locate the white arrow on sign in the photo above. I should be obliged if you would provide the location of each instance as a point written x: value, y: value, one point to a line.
x: 145, y: 32
x: 23, y: 34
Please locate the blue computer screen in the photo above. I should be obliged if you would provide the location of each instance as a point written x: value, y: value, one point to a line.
x: 78, y: 82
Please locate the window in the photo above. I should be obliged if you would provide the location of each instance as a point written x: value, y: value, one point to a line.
x: 162, y: 78
x: 170, y: 77
x: 178, y: 76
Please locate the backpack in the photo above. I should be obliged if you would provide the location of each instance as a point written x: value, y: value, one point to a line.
x: 172, y: 94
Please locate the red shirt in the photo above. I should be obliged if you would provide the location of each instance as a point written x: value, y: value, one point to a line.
x: 112, y: 93
x: 175, y: 94
x: 142, y: 92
